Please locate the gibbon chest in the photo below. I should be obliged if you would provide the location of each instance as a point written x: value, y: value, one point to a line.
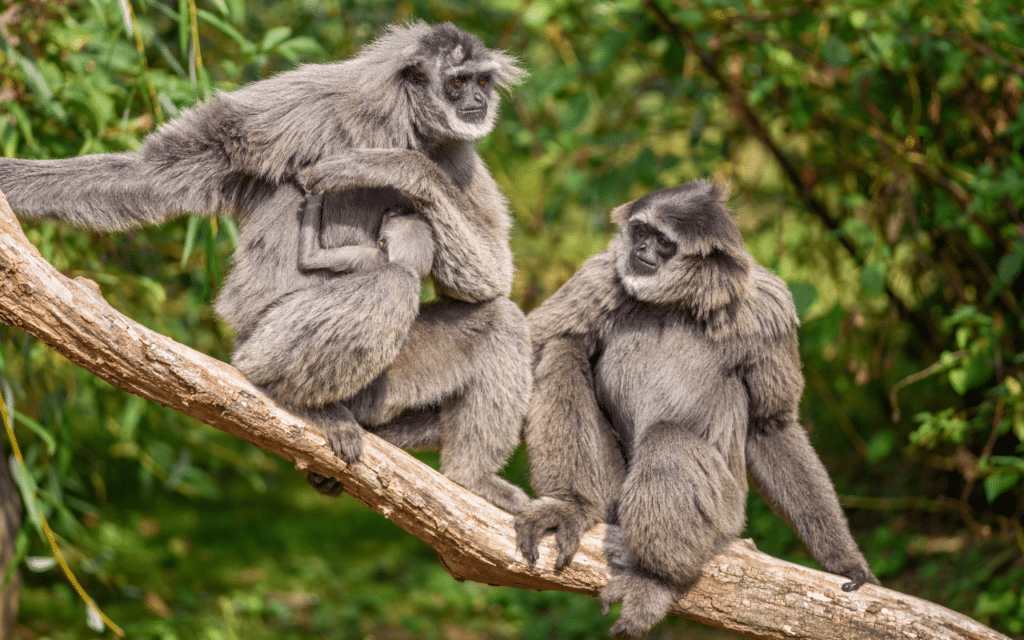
x: 650, y: 371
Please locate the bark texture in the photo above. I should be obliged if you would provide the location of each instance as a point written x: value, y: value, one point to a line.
x: 742, y: 590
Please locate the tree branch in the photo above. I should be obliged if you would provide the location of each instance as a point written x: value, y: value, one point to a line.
x: 742, y: 589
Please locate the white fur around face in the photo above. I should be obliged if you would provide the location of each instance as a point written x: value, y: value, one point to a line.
x: 463, y: 130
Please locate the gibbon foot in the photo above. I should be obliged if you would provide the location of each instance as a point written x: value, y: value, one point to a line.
x: 346, y: 440
x: 539, y: 517
x: 325, y: 484
x: 858, y: 576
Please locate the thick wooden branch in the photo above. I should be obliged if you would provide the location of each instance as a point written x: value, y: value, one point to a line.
x: 742, y: 590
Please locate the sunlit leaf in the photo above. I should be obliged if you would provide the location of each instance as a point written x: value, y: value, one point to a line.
x: 999, y: 483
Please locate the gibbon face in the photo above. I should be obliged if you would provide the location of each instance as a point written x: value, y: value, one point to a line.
x: 460, y: 78
x: 470, y: 95
x: 650, y: 248
x: 680, y: 246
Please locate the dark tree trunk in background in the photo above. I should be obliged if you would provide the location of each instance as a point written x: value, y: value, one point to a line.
x: 10, y: 521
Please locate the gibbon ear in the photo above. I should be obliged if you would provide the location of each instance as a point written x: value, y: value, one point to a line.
x: 620, y: 214
x: 415, y: 73
x: 721, y: 188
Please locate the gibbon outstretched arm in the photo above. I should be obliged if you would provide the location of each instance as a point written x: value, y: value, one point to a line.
x: 576, y: 465
x: 467, y: 235
x: 205, y: 162
x: 115, y: 191
x: 788, y: 471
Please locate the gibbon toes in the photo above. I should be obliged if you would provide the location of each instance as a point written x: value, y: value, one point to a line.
x: 858, y: 576
x: 644, y: 600
x: 325, y: 484
x: 549, y: 514
x: 346, y: 440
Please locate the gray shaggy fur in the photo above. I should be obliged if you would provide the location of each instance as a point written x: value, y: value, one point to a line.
x: 665, y: 370
x: 312, y: 162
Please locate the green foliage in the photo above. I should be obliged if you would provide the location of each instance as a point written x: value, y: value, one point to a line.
x: 875, y: 150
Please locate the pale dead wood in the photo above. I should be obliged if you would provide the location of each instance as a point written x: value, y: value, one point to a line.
x: 742, y: 590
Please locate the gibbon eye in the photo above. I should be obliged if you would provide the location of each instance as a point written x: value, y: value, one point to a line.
x: 457, y: 83
x: 484, y: 80
x: 662, y: 242
x: 383, y: 244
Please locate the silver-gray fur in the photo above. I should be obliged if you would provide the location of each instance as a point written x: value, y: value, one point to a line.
x: 350, y: 342
x: 665, y: 370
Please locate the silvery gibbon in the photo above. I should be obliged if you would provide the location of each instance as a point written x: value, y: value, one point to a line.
x: 666, y: 369
x: 332, y: 151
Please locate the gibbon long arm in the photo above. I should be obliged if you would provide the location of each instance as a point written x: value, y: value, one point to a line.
x: 742, y: 590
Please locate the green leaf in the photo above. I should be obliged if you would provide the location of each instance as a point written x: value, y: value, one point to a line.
x: 804, y: 295
x: 675, y: 54
x: 38, y: 429
x: 881, y: 445
x: 999, y: 483
x: 835, y: 53
x: 975, y: 371
x: 300, y: 47
x: 1010, y: 264
x: 227, y: 29
x: 221, y: 6
x: 608, y: 50
x: 38, y: 85
x: 575, y: 112
x: 274, y: 37
x: 191, y: 232
x: 989, y: 604
x: 131, y: 415
x: 536, y: 16
x: 872, y: 280
x: 763, y: 87
x: 691, y: 18
x: 184, y: 27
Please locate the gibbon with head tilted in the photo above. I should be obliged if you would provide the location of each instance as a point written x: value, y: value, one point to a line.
x: 341, y: 338
x: 665, y: 370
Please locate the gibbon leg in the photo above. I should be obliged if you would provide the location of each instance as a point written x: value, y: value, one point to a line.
x: 315, y: 347
x: 471, y: 363
x: 415, y: 429
x: 680, y: 505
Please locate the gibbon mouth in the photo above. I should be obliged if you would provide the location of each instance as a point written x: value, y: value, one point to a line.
x: 475, y: 114
x: 640, y: 266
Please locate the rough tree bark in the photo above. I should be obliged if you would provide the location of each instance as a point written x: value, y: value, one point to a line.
x: 742, y: 590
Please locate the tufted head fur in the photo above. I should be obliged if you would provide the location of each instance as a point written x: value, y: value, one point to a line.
x: 709, y: 268
x: 431, y: 61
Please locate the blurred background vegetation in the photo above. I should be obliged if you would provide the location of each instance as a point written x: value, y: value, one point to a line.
x: 875, y: 148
